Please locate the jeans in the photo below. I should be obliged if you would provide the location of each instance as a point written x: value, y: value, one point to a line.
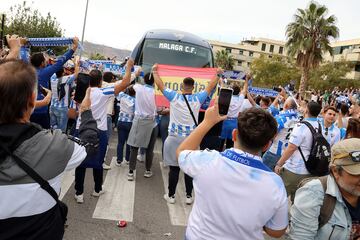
x: 270, y: 159
x: 149, y: 152
x: 174, y: 178
x: 80, y: 177
x: 123, y: 134
x: 58, y: 118
x: 109, y: 126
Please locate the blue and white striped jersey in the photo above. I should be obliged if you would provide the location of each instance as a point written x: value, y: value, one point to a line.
x: 286, y: 121
x: 181, y: 121
x: 69, y: 83
x: 127, y: 107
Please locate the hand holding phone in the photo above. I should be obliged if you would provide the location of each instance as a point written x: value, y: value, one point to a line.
x: 224, y: 100
x: 42, y: 90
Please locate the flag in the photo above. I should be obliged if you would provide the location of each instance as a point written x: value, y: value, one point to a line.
x: 173, y: 76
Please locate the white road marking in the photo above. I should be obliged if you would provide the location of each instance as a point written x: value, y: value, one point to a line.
x: 179, y: 212
x: 117, y: 203
x: 68, y: 179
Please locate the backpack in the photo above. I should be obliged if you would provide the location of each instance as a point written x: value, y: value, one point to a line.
x: 318, y: 162
x: 329, y: 202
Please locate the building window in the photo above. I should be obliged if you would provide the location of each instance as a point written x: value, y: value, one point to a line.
x: 251, y: 54
x: 240, y: 63
x: 228, y: 50
x: 248, y: 64
x: 241, y: 52
x: 270, y: 56
x: 271, y: 48
x: 357, y: 68
x: 281, y: 50
x: 263, y: 47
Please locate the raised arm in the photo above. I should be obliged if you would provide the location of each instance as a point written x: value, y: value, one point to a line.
x: 213, y: 81
x: 157, y: 78
x: 77, y: 66
x: 14, y: 45
x: 126, y: 80
x: 251, y: 100
x: 246, y: 85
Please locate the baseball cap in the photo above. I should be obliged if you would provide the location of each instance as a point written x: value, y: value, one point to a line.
x: 346, y: 153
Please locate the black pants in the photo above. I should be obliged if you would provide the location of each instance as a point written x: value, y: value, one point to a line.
x: 173, y: 181
x: 80, y: 177
x: 149, y: 152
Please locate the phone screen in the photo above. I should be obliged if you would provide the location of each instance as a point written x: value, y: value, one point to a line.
x: 42, y: 90
x: 83, y: 82
x: 224, y: 100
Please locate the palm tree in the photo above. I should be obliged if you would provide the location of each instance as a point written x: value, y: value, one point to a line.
x: 224, y: 60
x: 309, y: 38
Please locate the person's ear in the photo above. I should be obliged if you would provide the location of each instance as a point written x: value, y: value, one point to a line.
x: 234, y: 135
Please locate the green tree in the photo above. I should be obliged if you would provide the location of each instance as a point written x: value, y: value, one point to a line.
x: 224, y: 60
x: 25, y: 21
x: 273, y: 71
x: 97, y: 56
x: 331, y: 74
x: 309, y: 38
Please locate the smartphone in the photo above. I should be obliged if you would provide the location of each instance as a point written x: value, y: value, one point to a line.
x: 83, y: 82
x: 277, y: 89
x: 224, y: 100
x: 42, y: 90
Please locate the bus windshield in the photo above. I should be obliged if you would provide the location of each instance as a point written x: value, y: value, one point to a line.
x: 174, y: 53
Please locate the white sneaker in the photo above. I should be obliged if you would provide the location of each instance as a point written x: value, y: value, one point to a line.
x: 189, y: 200
x: 130, y: 176
x: 141, y: 157
x: 79, y: 198
x: 97, y: 194
x: 118, y: 164
x: 148, y: 174
x: 170, y: 200
x: 106, y: 167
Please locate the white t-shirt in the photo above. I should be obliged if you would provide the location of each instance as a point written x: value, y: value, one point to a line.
x: 181, y: 122
x: 245, y: 105
x: 301, y: 136
x: 145, y: 106
x: 99, y: 98
x: 236, y: 195
x: 235, y: 105
x: 110, y: 101
x: 69, y: 82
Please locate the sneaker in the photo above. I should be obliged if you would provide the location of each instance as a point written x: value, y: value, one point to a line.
x: 106, y: 167
x: 97, y: 194
x: 189, y: 200
x: 141, y: 157
x: 118, y: 164
x: 126, y: 161
x: 148, y: 173
x: 170, y: 200
x: 130, y: 176
x: 79, y: 198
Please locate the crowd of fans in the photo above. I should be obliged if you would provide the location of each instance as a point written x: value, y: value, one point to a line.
x: 241, y: 188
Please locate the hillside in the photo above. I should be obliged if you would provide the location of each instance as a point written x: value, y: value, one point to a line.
x: 105, y: 51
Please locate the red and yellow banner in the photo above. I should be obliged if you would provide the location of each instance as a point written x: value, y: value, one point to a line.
x: 173, y: 76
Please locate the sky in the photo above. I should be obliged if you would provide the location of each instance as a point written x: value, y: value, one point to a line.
x: 121, y: 23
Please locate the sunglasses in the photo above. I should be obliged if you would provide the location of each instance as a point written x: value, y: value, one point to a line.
x: 354, y: 156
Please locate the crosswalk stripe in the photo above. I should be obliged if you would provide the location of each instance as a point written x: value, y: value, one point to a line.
x: 68, y: 179
x: 118, y: 201
x: 179, y: 212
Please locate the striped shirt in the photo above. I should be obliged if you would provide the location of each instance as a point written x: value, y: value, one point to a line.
x: 181, y: 122
x: 127, y: 107
x: 69, y: 83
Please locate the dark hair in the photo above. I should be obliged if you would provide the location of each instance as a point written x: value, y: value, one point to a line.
x: 236, y: 89
x: 131, y: 91
x: 327, y: 108
x: 314, y: 108
x: 17, y: 84
x: 96, y: 77
x: 353, y: 128
x: 344, y: 108
x: 149, y: 79
x: 256, y: 128
x: 108, y: 77
x: 188, y: 82
x: 37, y: 59
x: 60, y: 73
x: 266, y: 100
